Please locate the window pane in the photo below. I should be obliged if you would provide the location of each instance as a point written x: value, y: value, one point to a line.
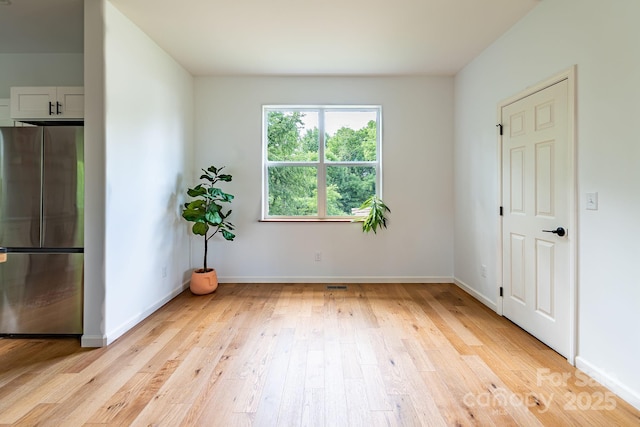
x: 348, y: 187
x: 292, y: 136
x: 293, y: 191
x: 350, y: 136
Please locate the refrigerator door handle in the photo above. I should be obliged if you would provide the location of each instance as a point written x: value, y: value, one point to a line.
x: 3, y: 254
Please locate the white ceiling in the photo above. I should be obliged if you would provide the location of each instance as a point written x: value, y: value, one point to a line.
x: 285, y: 37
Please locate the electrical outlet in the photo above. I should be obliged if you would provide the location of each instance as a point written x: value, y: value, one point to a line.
x: 483, y: 270
x: 318, y: 256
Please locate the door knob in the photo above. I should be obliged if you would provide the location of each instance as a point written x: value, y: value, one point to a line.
x: 559, y: 231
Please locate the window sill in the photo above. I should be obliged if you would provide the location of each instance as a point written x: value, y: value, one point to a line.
x: 307, y: 220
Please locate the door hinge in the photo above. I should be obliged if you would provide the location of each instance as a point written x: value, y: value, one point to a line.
x: 501, y: 291
x: 499, y: 126
x: 501, y: 214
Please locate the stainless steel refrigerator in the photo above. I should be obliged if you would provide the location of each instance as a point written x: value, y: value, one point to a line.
x: 41, y: 230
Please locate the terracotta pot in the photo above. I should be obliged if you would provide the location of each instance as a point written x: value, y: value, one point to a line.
x: 203, y: 283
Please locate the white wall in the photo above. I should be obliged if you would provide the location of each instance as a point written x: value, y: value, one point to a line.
x: 602, y: 39
x: 94, y: 181
x: 148, y: 146
x: 417, y: 172
x: 40, y: 69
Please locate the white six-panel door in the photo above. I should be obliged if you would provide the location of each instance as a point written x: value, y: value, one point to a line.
x: 536, y: 194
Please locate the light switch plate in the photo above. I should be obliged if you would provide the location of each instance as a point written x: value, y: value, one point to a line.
x: 592, y: 201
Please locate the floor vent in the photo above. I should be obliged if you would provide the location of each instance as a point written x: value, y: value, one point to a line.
x: 337, y: 287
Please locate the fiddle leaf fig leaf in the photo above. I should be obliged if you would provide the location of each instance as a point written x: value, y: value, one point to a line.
x: 191, y: 215
x: 213, y: 218
x: 197, y: 191
x: 220, y: 195
x: 200, y: 228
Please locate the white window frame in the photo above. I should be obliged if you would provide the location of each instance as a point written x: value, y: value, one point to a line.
x: 321, y: 164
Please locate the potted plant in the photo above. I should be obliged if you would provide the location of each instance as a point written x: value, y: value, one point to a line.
x: 208, y: 219
x: 373, y: 212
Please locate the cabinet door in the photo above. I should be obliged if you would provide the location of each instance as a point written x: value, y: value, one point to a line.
x: 47, y: 103
x: 5, y: 116
x: 33, y: 102
x: 72, y: 101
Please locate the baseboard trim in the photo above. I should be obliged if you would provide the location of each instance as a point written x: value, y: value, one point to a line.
x: 477, y: 295
x: 111, y: 336
x: 93, y: 341
x: 632, y: 397
x: 335, y: 279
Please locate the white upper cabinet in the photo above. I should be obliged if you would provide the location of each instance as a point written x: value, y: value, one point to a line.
x: 5, y: 119
x: 5, y: 115
x: 47, y: 103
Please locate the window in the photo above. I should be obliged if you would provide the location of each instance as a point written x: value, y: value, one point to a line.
x: 320, y: 162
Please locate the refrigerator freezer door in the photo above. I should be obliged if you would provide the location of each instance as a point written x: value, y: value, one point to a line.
x: 63, y: 187
x: 20, y: 189
x: 41, y: 294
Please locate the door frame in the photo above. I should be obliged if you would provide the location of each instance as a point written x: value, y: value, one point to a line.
x: 569, y: 75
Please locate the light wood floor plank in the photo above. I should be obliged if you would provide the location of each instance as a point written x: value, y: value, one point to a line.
x: 304, y: 355
x: 270, y: 396
x: 359, y: 412
x: 314, y: 371
x: 503, y: 401
x: 335, y: 413
x: 313, y: 407
x: 292, y: 402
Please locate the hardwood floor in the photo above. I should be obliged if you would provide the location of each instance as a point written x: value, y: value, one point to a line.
x: 294, y: 355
